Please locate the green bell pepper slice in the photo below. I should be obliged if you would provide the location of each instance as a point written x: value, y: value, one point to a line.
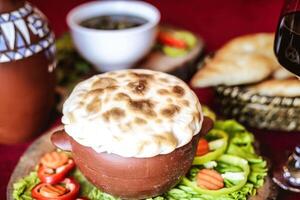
x: 199, y: 160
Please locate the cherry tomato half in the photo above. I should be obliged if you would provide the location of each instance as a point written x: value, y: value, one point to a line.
x: 202, y: 147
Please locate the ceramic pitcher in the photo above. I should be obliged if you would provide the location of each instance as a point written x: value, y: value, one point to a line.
x: 26, y: 70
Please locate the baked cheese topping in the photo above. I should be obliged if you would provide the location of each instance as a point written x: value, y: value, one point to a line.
x: 132, y: 113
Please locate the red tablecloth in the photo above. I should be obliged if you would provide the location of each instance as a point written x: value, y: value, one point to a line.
x: 216, y: 22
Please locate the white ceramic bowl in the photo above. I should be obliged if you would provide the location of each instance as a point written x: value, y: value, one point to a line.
x: 113, y: 49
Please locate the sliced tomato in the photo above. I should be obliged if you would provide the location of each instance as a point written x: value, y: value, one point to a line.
x: 202, y: 147
x: 169, y: 40
x: 53, y: 176
x: 67, y: 189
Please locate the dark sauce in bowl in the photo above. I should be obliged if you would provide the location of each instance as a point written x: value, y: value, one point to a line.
x: 113, y: 22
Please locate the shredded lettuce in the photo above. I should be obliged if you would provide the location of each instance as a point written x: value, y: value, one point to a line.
x: 22, y: 188
x: 230, y: 126
x: 240, y: 144
x: 88, y: 190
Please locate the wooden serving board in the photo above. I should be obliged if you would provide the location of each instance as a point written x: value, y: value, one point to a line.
x: 42, y: 145
x: 30, y: 159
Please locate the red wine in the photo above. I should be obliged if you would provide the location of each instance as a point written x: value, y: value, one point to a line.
x: 287, y: 42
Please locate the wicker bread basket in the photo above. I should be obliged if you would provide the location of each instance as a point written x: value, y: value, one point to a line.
x: 264, y: 112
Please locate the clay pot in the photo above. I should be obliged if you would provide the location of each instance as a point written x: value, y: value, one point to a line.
x: 26, y: 71
x: 129, y: 178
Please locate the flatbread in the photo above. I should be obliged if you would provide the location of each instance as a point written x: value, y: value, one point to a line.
x: 281, y: 73
x: 230, y: 71
x: 242, y: 60
x: 285, y: 88
x: 253, y: 44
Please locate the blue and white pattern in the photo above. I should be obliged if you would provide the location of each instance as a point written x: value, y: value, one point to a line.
x: 15, y: 30
x: 24, y: 52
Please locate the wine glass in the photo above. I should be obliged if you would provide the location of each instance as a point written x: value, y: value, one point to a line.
x: 287, y: 51
x: 287, y: 39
